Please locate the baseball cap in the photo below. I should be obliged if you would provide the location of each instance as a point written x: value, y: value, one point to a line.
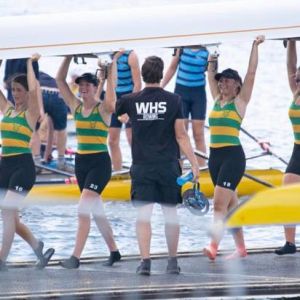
x: 231, y: 74
x: 89, y: 77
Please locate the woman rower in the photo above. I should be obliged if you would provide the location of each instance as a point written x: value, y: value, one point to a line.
x: 227, y: 159
x: 292, y: 173
x: 17, y: 170
x: 92, y: 161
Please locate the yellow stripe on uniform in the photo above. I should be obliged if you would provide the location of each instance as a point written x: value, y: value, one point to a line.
x: 224, y: 130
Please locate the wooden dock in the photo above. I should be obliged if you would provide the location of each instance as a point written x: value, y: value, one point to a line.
x: 261, y: 273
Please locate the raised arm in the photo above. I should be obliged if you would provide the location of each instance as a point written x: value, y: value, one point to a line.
x: 109, y: 103
x: 185, y: 145
x: 171, y: 69
x: 71, y: 100
x: 212, y: 70
x: 133, y: 62
x: 247, y: 88
x: 101, y: 78
x: 292, y: 65
x: 4, y: 104
x: 34, y: 109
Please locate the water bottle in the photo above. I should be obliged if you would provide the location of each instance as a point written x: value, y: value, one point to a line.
x: 186, y: 177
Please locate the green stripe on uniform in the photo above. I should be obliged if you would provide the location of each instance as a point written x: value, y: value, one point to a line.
x: 91, y: 132
x: 15, y: 150
x: 224, y: 139
x: 92, y: 147
x: 15, y: 135
x: 225, y: 122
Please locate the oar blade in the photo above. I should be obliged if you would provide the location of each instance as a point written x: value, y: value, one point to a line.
x: 270, y: 207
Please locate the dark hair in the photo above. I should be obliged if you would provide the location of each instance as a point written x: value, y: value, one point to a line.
x: 21, y: 79
x: 152, y: 69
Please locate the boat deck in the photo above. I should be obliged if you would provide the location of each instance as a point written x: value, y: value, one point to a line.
x: 261, y: 273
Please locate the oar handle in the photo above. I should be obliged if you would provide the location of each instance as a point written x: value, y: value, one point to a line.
x: 267, y: 149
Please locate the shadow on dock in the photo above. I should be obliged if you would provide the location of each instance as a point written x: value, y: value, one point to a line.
x: 260, y: 273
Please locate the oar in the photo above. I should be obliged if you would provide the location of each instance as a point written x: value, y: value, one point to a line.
x: 54, y: 170
x: 72, y: 179
x: 265, y: 183
x: 264, y: 146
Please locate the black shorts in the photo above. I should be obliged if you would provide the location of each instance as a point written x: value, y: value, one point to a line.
x: 294, y: 163
x: 155, y: 183
x: 115, y: 123
x: 93, y: 171
x: 193, y: 100
x: 17, y: 173
x: 227, y: 166
x: 56, y: 108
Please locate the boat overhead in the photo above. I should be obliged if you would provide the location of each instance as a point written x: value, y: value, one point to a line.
x: 163, y: 26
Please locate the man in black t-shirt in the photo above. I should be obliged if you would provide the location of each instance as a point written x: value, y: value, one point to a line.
x: 157, y: 133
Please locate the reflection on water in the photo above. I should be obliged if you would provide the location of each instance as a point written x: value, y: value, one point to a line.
x: 56, y: 226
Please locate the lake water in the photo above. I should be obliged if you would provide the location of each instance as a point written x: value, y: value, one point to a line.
x: 266, y: 119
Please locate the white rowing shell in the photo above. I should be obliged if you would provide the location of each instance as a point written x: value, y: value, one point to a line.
x: 164, y: 26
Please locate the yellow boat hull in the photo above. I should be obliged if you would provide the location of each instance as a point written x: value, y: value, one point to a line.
x: 271, y: 207
x: 119, y: 189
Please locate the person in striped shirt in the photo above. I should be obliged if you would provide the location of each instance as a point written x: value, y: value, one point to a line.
x: 227, y: 159
x: 128, y: 81
x: 92, y: 160
x: 292, y: 173
x: 191, y: 64
x: 17, y: 170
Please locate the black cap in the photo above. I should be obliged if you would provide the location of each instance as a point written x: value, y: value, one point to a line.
x: 231, y: 74
x: 89, y: 77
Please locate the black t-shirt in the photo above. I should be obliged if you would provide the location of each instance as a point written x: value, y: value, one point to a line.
x: 153, y: 112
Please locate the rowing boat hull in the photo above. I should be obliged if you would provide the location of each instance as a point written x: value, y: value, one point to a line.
x: 120, y: 189
x: 279, y: 206
x: 142, y: 27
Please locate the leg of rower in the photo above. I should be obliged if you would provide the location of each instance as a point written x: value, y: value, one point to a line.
x: 143, y: 229
x: 25, y: 233
x: 289, y: 231
x: 10, y: 206
x: 171, y: 229
x: 84, y: 222
x: 103, y: 224
x: 114, y: 146
x: 199, y: 138
x: 238, y: 235
x: 222, y: 198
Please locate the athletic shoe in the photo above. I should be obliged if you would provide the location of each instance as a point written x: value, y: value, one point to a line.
x: 288, y: 248
x: 172, y: 267
x: 71, y: 263
x: 3, y: 266
x: 114, y: 257
x: 43, y: 261
x: 144, y: 268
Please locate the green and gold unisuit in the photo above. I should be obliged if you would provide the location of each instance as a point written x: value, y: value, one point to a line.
x: 224, y: 124
x: 15, y: 133
x: 91, y: 131
x: 294, y: 115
